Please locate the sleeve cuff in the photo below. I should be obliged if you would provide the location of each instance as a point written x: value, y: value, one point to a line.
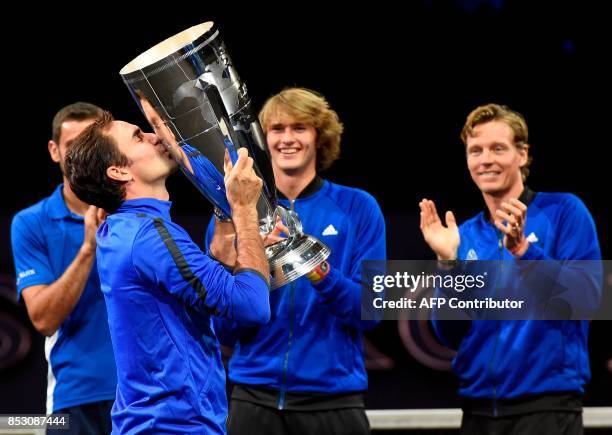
x: 328, y: 282
x: 226, y: 266
x: 534, y: 252
x: 256, y: 272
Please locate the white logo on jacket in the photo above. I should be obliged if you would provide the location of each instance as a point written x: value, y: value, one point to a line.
x: 25, y: 274
x: 330, y: 231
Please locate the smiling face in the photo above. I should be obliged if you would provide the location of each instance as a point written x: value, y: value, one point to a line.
x: 493, y: 159
x: 292, y: 145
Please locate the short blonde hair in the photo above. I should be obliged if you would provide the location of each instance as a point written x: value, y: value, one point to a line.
x: 496, y: 112
x: 310, y: 108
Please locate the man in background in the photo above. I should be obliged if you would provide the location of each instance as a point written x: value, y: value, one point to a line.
x: 54, y: 249
x: 304, y: 372
x: 516, y: 376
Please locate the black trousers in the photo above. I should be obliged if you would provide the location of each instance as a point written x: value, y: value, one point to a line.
x: 247, y: 418
x: 536, y: 423
x: 88, y: 419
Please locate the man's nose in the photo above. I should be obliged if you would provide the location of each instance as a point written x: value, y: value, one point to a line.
x: 153, y: 138
x: 486, y: 158
x: 287, y: 136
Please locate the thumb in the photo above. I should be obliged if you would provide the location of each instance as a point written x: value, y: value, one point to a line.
x: 451, y: 222
x: 101, y: 215
x: 243, y: 159
x: 92, y: 210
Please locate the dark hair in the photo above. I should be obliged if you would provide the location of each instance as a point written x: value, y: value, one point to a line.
x: 87, y: 160
x: 79, y: 111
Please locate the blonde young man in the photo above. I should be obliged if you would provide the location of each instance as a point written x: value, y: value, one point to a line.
x: 303, y: 372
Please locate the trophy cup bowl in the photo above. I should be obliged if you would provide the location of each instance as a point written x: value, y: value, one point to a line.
x: 188, y: 89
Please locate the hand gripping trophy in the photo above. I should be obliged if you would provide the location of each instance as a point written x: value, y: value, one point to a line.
x: 191, y: 95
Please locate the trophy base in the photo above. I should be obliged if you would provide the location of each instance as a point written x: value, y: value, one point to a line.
x: 293, y: 258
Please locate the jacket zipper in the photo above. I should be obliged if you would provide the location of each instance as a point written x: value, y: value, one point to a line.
x: 281, y: 398
x: 500, y: 245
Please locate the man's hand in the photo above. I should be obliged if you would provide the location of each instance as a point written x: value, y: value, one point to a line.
x: 222, y: 245
x: 510, y: 220
x: 93, y: 218
x: 443, y: 240
x: 274, y: 236
x: 243, y: 186
x: 49, y: 305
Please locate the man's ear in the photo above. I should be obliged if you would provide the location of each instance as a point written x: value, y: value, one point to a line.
x: 54, y: 151
x: 119, y: 173
x: 524, y: 153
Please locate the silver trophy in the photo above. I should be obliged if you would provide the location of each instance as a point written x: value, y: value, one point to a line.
x: 188, y: 89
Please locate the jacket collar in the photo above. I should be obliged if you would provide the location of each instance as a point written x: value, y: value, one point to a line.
x: 313, y: 187
x: 149, y: 206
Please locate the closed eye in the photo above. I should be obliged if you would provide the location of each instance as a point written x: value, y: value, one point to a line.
x: 137, y: 135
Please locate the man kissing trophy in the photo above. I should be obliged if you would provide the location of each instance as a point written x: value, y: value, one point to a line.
x: 188, y: 89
